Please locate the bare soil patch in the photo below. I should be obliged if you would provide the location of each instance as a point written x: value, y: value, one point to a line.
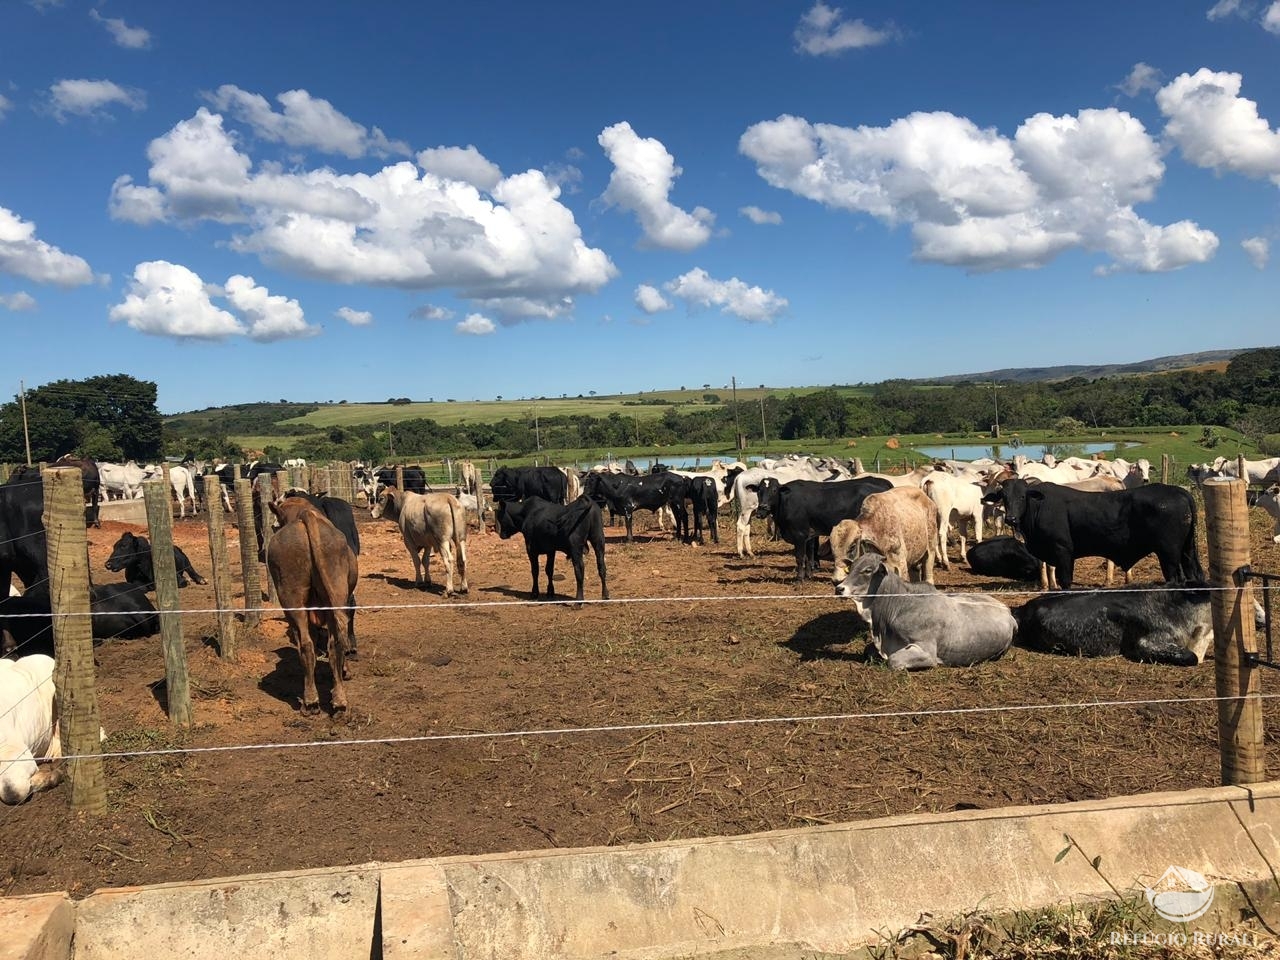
x: 698, y: 648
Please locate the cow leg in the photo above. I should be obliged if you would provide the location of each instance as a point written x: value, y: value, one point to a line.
x: 300, y: 634
x: 579, y: 569
x: 446, y: 557
x: 911, y: 657
x: 600, y: 569
x: 551, y: 573
x: 460, y: 559
x: 744, y: 535
x: 1065, y: 569
x: 626, y: 518
x: 942, y: 542
x: 1160, y: 649
x: 533, y: 568
x: 417, y: 562
x: 338, y: 662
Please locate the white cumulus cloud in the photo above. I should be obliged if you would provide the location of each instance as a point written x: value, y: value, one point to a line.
x: 643, y: 174
x: 650, y: 299
x: 357, y: 318
x: 1215, y: 127
x: 1142, y: 78
x: 1271, y: 18
x: 461, y: 163
x: 475, y: 325
x: 824, y: 30
x: 91, y: 98
x: 271, y: 317
x: 22, y: 255
x: 515, y: 250
x: 169, y: 300
x: 304, y: 121
x: 1258, y: 250
x: 131, y: 38
x: 135, y: 204
x: 5, y: 105
x: 977, y: 199
x: 756, y: 215
x: 19, y: 302
x: 733, y: 296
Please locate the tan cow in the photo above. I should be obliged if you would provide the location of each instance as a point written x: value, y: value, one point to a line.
x: 900, y: 524
x: 428, y: 521
x: 314, y: 567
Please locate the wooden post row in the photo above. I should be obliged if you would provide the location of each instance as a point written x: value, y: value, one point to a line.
x: 248, y: 553
x: 74, y: 688
x: 160, y: 527
x: 1240, y: 734
x: 221, y: 572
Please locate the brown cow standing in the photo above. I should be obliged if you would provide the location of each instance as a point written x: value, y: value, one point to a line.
x: 312, y: 566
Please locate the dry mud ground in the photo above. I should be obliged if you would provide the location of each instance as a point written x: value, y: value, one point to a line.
x: 700, y: 647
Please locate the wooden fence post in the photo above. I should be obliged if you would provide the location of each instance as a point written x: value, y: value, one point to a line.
x: 73, y: 680
x: 160, y: 527
x: 266, y: 494
x: 1240, y: 735
x: 400, y: 476
x: 248, y: 554
x: 1164, y: 468
x: 1241, y: 472
x: 221, y: 571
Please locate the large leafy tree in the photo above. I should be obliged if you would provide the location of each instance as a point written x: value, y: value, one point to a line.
x: 104, y: 417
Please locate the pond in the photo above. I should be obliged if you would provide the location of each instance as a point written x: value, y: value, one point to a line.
x: 1004, y: 451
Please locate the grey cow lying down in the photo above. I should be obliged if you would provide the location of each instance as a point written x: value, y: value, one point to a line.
x: 914, y: 626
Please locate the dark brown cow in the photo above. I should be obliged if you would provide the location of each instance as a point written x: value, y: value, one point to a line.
x: 312, y: 566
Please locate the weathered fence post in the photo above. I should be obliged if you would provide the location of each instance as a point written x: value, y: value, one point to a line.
x: 160, y: 527
x: 1241, y: 472
x: 248, y: 554
x: 1164, y: 468
x: 266, y: 494
x: 221, y: 572
x: 1240, y: 740
x: 73, y: 680
x: 400, y: 476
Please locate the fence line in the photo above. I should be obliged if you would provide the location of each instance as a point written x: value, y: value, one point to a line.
x: 562, y: 601
x: 678, y: 725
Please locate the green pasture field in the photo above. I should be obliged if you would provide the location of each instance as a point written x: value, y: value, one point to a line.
x: 648, y: 405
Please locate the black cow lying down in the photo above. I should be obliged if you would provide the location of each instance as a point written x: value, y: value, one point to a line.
x: 1003, y: 557
x: 132, y: 554
x: 1148, y: 623
x: 121, y: 611
x: 550, y: 528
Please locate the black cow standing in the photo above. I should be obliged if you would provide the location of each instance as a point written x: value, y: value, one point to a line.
x: 132, y: 554
x: 625, y: 494
x: 518, y: 483
x: 803, y: 510
x: 1060, y: 525
x: 24, y: 550
x: 550, y: 528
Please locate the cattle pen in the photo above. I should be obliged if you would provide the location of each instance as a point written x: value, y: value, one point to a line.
x: 713, y: 696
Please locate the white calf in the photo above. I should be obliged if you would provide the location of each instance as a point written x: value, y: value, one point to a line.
x: 957, y: 497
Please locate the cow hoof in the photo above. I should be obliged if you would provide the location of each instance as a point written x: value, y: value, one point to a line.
x: 339, y: 710
x: 352, y: 654
x: 310, y: 709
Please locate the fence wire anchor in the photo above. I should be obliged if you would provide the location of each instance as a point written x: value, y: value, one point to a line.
x: 1240, y: 577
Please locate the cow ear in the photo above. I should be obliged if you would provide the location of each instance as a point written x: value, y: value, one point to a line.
x: 1033, y: 494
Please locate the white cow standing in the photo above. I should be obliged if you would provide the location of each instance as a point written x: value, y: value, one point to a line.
x: 184, y: 486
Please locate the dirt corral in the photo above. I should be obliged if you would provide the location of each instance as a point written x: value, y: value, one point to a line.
x: 696, y: 650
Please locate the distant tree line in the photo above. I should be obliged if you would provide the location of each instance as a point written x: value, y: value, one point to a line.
x: 115, y: 417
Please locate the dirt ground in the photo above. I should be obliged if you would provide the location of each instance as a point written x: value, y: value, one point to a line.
x: 706, y: 636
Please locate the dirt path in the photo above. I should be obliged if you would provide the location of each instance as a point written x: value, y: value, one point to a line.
x: 489, y: 663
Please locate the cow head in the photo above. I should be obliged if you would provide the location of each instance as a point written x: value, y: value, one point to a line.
x: 509, y: 516
x: 386, y: 504
x: 15, y: 776
x: 126, y: 550
x: 768, y: 492
x: 729, y: 478
x: 863, y: 578
x: 1017, y: 495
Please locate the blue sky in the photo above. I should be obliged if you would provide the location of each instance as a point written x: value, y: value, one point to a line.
x: 257, y: 201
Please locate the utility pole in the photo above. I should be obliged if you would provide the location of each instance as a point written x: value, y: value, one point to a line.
x: 737, y: 430
x: 995, y: 393
x: 22, y: 389
x: 764, y: 430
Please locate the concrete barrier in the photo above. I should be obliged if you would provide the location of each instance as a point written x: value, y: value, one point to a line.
x: 124, y: 511
x: 36, y: 928
x: 824, y: 890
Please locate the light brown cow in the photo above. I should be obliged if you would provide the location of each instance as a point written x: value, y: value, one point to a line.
x: 313, y: 567
x: 428, y: 521
x: 901, y: 524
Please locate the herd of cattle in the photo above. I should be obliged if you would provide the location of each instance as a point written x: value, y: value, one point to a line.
x: 883, y: 533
